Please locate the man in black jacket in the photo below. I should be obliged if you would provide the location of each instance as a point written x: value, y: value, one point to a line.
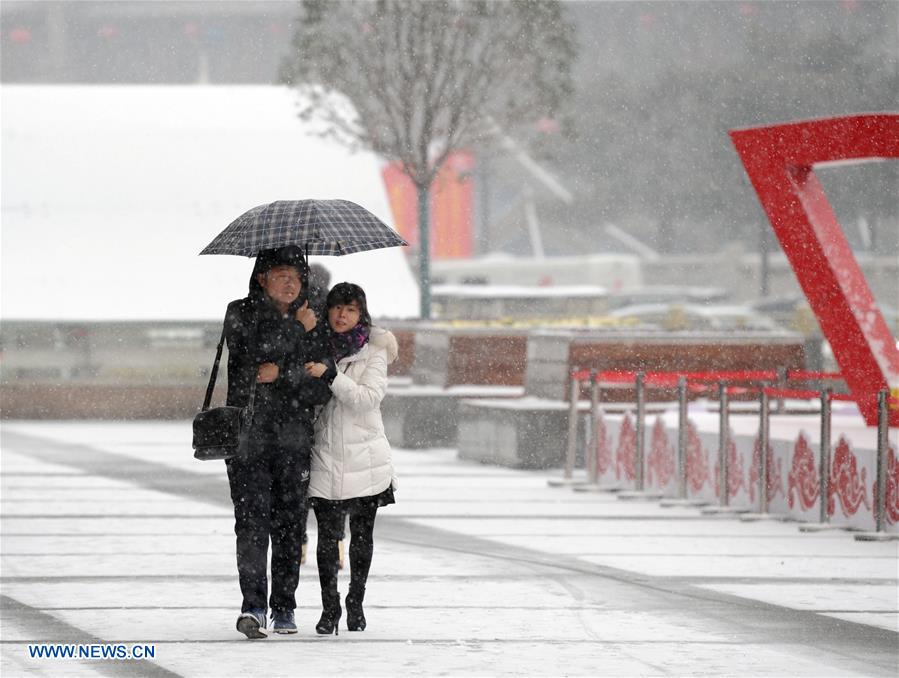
x: 271, y: 334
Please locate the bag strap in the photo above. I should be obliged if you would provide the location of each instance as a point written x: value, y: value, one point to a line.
x: 215, y: 370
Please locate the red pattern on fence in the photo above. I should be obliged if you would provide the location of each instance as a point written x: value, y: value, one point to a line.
x: 802, y: 477
x: 661, y: 456
x: 775, y: 472
x: 603, y: 446
x: 697, y: 464
x: 891, y: 505
x: 846, y: 482
x: 627, y: 450
x: 734, y: 470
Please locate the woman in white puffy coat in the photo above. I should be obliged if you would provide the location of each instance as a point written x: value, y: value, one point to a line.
x: 352, y: 471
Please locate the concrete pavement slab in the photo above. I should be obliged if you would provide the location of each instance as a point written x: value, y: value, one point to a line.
x: 478, y: 571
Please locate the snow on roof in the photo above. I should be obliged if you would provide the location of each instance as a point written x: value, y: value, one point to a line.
x: 110, y: 192
x: 518, y: 291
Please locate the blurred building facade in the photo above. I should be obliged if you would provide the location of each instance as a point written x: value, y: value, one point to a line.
x: 644, y: 145
x: 642, y: 150
x: 145, y: 42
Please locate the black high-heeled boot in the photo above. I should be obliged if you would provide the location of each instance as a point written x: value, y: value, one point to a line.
x: 331, y: 613
x: 355, y: 617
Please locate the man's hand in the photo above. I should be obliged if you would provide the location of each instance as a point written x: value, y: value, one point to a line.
x: 306, y: 317
x: 267, y: 373
x: 315, y: 369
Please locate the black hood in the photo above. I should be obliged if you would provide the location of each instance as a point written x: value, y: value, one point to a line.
x: 291, y: 255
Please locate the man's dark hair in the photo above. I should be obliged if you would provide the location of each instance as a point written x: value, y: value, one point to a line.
x: 291, y: 255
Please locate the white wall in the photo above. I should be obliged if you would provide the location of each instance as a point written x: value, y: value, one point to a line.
x: 612, y: 271
x: 110, y: 192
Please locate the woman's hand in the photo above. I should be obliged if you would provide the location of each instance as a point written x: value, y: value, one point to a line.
x: 306, y: 317
x: 267, y: 373
x: 315, y: 369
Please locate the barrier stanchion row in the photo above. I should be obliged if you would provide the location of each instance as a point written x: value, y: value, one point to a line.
x: 880, y: 507
x: 680, y: 466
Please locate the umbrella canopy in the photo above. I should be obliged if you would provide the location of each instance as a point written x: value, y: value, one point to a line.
x: 321, y: 227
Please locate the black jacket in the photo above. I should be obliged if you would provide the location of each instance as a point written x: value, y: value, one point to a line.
x: 257, y: 333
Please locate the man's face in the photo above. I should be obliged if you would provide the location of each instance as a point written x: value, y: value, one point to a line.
x: 282, y: 284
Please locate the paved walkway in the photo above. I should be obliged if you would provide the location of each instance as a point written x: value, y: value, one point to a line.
x: 113, y: 534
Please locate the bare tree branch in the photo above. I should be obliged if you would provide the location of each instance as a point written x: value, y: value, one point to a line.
x: 423, y: 76
x: 428, y: 78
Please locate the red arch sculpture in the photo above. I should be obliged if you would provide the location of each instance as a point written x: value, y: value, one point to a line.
x: 780, y: 160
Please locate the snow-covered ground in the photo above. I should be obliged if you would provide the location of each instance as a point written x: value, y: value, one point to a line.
x: 112, y: 533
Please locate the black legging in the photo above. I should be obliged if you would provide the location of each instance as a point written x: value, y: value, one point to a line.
x: 330, y: 517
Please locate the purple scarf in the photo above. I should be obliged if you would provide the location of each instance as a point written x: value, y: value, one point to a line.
x: 350, y: 342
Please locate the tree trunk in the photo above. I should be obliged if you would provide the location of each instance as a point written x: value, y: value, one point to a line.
x: 424, y: 251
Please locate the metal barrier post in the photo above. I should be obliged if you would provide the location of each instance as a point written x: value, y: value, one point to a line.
x: 641, y: 442
x: 573, y: 397
x: 824, y: 470
x: 764, y: 443
x: 781, y: 384
x: 723, y: 458
x: 883, y: 421
x: 592, y: 465
x: 639, y: 453
x: 682, y: 437
x: 596, y: 413
x: 764, y: 422
x: 883, y: 427
x: 567, y: 479
x: 723, y: 495
x: 683, y: 424
x: 824, y: 464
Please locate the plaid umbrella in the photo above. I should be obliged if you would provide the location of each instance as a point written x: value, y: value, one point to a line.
x: 322, y: 227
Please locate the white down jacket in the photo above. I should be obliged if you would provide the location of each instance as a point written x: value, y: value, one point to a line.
x: 351, y: 456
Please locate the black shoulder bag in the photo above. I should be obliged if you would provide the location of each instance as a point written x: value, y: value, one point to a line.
x: 222, y: 432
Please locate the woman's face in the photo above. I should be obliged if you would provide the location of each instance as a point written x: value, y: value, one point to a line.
x: 344, y: 317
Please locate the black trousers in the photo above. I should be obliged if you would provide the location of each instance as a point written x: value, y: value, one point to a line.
x: 268, y: 489
x: 330, y: 516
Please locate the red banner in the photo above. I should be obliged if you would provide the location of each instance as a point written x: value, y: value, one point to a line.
x: 451, y: 206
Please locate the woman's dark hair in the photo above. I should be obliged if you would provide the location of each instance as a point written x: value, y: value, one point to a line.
x: 345, y: 293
